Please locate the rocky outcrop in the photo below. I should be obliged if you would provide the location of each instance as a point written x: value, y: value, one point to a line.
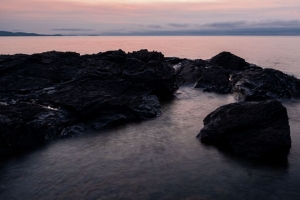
x: 55, y: 94
x: 202, y: 74
x: 227, y: 73
x: 262, y: 84
x: 212, y: 75
x: 254, y: 129
x: 250, y: 129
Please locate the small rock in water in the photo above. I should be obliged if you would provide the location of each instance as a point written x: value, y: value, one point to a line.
x: 250, y: 129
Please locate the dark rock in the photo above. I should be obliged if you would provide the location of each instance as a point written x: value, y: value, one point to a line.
x: 228, y: 73
x: 24, y: 125
x: 91, y: 97
x: 204, y: 75
x: 145, y: 56
x: 191, y: 70
x: 156, y: 74
x: 251, y: 129
x: 230, y: 61
x: 72, y: 130
x: 89, y: 91
x: 175, y: 60
x: 262, y: 84
x: 214, y: 79
x: 20, y: 83
x: 54, y: 66
x: 118, y: 57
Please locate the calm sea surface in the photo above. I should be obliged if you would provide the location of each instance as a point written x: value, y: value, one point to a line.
x: 160, y: 158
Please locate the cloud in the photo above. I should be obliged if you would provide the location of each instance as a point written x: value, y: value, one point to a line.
x: 176, y: 25
x: 276, y: 27
x: 281, y: 2
x: 152, y: 26
x: 225, y: 24
x: 39, y: 15
x: 17, y: 30
x: 278, y: 23
x: 72, y: 29
x: 216, y: 32
x: 259, y: 24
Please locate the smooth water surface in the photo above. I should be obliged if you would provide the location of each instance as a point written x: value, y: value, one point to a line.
x: 159, y: 158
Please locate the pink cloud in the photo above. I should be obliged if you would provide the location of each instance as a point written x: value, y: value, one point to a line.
x: 64, y: 13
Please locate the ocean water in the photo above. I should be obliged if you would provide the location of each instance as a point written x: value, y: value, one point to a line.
x: 160, y: 158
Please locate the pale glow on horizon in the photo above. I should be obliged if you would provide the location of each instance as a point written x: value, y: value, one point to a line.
x: 102, y: 16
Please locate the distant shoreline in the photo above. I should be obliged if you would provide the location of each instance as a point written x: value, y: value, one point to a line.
x: 18, y: 34
x: 203, y: 33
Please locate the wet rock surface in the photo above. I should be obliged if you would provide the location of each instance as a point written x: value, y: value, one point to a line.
x: 229, y: 61
x: 24, y: 125
x: 226, y: 73
x: 250, y: 129
x: 254, y: 129
x: 262, y: 84
x: 55, y: 94
x: 59, y: 94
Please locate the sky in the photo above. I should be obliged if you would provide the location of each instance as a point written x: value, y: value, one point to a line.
x: 151, y: 17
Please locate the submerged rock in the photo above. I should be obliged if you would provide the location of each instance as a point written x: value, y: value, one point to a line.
x: 250, y: 129
x: 89, y: 91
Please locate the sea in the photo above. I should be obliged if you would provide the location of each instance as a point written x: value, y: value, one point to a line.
x: 160, y: 158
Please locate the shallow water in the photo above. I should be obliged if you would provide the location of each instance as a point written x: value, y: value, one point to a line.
x: 155, y: 159
x: 160, y: 158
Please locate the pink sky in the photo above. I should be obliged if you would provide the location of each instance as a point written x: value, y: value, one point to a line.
x: 114, y: 16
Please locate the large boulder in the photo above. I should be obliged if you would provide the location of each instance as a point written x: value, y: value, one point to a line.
x: 230, y: 61
x: 263, y: 84
x: 251, y: 129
